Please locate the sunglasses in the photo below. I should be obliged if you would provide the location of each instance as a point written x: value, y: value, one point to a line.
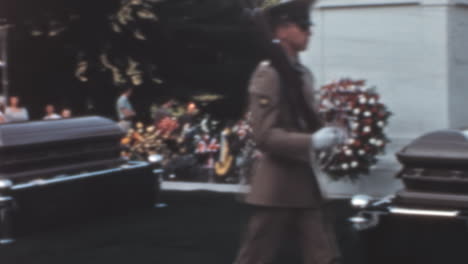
x: 304, y: 26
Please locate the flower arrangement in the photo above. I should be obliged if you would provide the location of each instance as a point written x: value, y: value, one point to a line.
x: 359, y: 110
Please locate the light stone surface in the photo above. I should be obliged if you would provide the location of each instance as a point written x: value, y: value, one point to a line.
x: 458, y: 67
x: 401, y: 50
x: 414, y: 52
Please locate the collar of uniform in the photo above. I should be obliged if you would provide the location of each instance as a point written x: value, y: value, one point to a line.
x: 296, y: 63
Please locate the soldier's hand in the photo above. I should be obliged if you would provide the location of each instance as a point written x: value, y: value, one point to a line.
x: 328, y: 137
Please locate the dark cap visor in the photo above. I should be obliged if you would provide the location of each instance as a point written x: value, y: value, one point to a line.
x: 304, y: 25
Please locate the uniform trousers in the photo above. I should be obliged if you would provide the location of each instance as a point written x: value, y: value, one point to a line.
x: 268, y: 226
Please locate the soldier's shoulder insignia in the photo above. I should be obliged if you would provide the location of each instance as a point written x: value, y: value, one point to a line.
x: 265, y: 63
x: 264, y: 101
x: 263, y: 68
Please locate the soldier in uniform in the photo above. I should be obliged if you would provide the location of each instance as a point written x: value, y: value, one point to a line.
x: 284, y: 190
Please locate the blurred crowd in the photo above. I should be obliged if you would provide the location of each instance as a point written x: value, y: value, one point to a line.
x: 13, y: 111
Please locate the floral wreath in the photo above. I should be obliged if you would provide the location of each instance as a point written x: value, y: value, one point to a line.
x: 358, y: 109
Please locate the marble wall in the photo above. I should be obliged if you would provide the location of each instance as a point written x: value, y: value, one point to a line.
x: 414, y: 52
x: 458, y: 66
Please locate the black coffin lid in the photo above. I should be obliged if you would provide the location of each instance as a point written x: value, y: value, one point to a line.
x: 435, y: 164
x: 42, y: 132
x: 446, y: 149
x: 43, y: 149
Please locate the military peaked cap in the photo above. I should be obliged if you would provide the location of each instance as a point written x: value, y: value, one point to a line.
x: 294, y: 11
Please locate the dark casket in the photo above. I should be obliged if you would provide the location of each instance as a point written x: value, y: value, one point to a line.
x: 47, y: 148
x: 435, y: 170
x: 69, y: 169
x: 426, y: 221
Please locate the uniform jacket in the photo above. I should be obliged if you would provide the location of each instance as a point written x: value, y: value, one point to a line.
x: 282, y: 176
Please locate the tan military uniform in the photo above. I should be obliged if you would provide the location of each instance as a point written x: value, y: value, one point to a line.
x: 283, y: 184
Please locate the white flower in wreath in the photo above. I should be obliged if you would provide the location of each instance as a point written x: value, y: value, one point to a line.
x: 362, y: 100
x: 327, y: 104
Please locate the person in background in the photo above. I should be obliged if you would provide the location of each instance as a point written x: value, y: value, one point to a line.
x: 50, y: 113
x: 188, y: 118
x: 14, y: 112
x: 66, y: 113
x: 125, y: 109
x: 163, y: 112
x: 2, y: 112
